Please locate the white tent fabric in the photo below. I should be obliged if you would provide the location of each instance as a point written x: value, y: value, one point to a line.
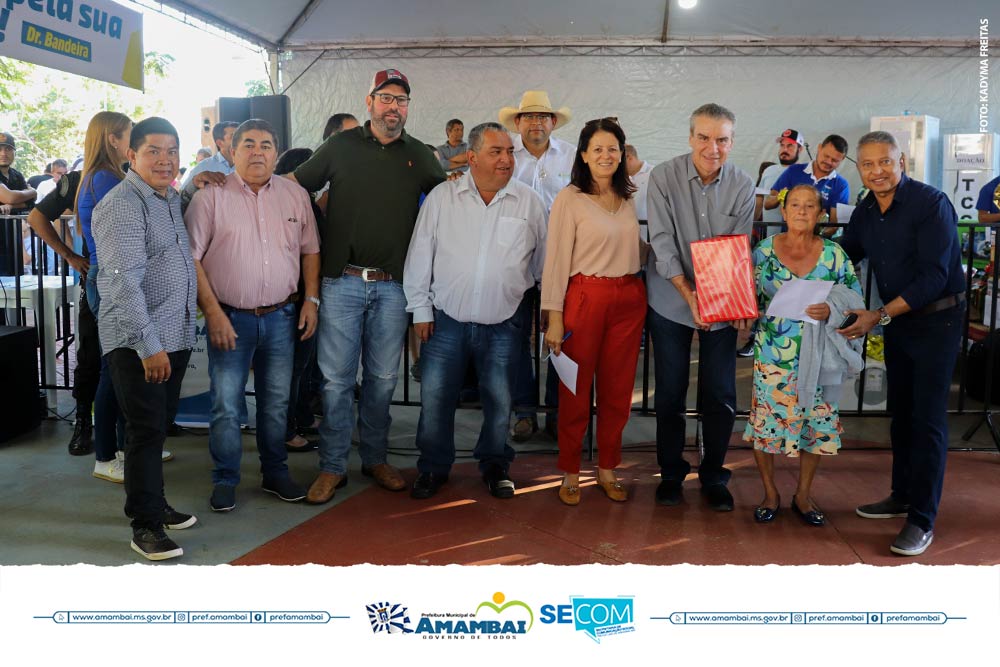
x: 775, y: 63
x: 653, y: 96
x: 305, y: 23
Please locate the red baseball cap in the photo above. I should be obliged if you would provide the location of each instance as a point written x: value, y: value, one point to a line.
x: 387, y: 76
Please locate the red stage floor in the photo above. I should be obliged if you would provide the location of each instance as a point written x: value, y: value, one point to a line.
x: 464, y: 525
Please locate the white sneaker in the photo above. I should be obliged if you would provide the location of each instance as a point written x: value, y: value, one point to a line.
x: 113, y: 470
x: 167, y: 455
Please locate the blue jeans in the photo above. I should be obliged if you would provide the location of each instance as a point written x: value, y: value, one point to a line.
x: 366, y: 319
x: 267, y: 343
x: 492, y: 348
x: 716, y: 396
x: 109, y: 424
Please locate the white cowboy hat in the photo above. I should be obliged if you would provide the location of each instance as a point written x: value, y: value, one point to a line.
x: 533, y: 101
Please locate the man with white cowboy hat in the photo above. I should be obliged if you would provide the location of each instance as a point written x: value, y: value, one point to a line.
x: 541, y: 160
x: 544, y: 163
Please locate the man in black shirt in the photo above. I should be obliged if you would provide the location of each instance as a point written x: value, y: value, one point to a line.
x: 14, y: 190
x: 376, y: 173
x: 906, y: 229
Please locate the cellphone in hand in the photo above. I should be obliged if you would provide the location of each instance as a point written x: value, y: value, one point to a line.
x: 849, y: 320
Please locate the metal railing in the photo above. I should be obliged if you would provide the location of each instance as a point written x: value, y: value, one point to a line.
x: 45, y: 271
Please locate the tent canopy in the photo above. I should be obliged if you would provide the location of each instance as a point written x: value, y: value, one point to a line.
x: 312, y: 24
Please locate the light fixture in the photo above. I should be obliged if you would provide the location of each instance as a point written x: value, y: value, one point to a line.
x: 687, y: 4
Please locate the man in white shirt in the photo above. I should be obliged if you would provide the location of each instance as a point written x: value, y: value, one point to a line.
x: 545, y: 164
x: 478, y: 245
x: 221, y: 162
x: 790, y: 145
x: 638, y: 171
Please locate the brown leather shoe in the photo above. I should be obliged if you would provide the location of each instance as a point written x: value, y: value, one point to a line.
x: 614, y: 490
x: 324, y: 487
x: 570, y: 495
x: 385, y: 476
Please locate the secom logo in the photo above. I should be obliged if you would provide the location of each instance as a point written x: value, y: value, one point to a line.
x: 597, y: 617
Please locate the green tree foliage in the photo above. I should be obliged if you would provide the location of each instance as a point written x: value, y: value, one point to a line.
x: 47, y: 124
x: 258, y: 87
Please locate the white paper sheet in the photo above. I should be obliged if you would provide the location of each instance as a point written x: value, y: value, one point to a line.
x: 792, y: 298
x: 844, y: 212
x: 567, y: 370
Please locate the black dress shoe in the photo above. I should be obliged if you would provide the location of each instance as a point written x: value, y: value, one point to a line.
x: 669, y: 492
x: 499, y: 482
x: 426, y: 485
x: 82, y: 442
x: 718, y: 497
x: 763, y: 514
x: 812, y: 518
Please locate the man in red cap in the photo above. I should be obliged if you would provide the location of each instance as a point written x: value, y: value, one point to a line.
x: 790, y: 144
x: 377, y: 173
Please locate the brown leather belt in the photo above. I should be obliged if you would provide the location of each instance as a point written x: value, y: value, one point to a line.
x: 262, y: 310
x: 941, y: 304
x: 366, y: 273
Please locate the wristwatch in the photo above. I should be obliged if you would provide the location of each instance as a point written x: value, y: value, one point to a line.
x: 313, y: 299
x: 884, y: 317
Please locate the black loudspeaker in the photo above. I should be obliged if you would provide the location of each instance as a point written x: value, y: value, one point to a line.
x: 19, y: 399
x: 275, y: 109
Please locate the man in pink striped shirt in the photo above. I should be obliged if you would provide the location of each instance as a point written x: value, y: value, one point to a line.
x: 250, y: 238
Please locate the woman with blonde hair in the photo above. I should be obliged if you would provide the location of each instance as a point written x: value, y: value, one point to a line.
x: 105, y: 151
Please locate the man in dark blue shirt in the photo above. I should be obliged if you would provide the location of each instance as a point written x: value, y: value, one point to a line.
x: 907, y: 230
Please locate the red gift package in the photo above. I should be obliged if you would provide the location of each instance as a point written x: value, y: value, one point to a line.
x: 723, y: 276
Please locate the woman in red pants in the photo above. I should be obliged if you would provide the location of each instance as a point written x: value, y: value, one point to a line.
x: 596, y: 304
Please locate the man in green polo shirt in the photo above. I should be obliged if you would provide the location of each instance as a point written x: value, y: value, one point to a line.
x: 376, y: 173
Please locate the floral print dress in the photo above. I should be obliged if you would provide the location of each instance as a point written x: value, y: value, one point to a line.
x: 776, y: 423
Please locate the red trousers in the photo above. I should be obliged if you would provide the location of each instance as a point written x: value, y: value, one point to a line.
x: 605, y: 316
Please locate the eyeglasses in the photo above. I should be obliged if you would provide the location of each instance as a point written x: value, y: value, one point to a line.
x: 598, y: 121
x: 386, y: 98
x: 536, y: 117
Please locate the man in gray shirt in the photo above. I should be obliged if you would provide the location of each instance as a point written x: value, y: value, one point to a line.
x: 146, y: 321
x: 693, y: 197
x: 454, y: 152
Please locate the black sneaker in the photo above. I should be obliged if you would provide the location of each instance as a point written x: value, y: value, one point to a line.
x: 82, y: 442
x: 223, y: 498
x: 670, y: 492
x: 718, y: 497
x: 499, y: 482
x: 426, y: 485
x: 285, y: 488
x: 746, y: 350
x: 153, y: 543
x: 175, y: 520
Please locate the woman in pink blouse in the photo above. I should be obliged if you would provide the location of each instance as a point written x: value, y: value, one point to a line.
x: 596, y: 304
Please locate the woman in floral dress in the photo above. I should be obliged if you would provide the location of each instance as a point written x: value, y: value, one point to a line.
x: 777, y: 424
